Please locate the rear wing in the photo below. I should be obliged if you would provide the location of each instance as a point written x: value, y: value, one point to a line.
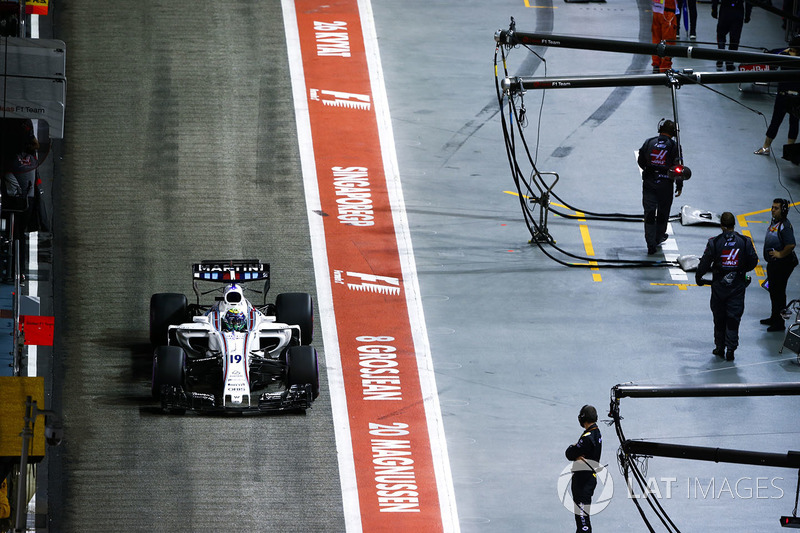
x: 231, y: 271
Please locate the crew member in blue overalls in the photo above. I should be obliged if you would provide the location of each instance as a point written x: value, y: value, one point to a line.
x: 584, y: 477
x: 729, y: 257
x: 779, y: 244
x: 656, y: 157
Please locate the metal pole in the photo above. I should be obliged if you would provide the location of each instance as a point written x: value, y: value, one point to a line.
x: 673, y: 89
x: 517, y: 84
x: 31, y: 412
x: 22, y: 483
x: 790, y: 459
x: 21, y: 26
x: 511, y: 37
x: 711, y: 390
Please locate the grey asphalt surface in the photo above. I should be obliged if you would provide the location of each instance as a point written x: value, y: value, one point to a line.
x: 180, y: 146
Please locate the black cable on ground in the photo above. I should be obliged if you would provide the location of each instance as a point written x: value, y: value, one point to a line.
x: 533, y: 227
x: 518, y: 116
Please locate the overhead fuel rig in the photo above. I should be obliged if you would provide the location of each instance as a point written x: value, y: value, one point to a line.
x: 534, y: 190
x: 633, y: 452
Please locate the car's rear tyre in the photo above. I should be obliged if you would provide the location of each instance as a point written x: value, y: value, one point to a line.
x: 166, y: 309
x: 168, y: 368
x: 296, y: 308
x: 303, y: 367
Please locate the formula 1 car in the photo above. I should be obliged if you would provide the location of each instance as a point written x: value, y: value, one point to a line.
x: 233, y: 356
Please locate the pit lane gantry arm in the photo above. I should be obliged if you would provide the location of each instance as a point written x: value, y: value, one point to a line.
x: 516, y: 84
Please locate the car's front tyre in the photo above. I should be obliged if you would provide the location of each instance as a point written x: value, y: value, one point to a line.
x: 169, y: 368
x: 303, y: 367
x: 166, y: 309
x: 296, y: 309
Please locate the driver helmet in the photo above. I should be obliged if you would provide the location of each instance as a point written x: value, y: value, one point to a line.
x: 234, y: 320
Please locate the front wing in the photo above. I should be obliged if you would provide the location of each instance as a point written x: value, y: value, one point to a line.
x: 295, y: 398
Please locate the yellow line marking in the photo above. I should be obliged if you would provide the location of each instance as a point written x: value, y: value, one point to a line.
x: 681, y: 286
x: 587, y: 240
x: 512, y: 193
x: 759, y: 270
x: 528, y: 4
x: 743, y: 222
x: 587, y: 244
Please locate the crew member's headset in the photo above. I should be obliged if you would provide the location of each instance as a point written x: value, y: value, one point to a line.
x: 588, y: 414
x: 784, y: 207
x: 671, y: 128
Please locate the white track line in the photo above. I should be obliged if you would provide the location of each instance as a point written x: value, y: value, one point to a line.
x: 341, y: 422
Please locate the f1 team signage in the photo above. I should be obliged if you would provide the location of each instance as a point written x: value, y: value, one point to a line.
x: 393, y: 460
x: 32, y: 81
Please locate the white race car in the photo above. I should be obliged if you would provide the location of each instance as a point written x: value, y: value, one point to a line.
x: 233, y: 356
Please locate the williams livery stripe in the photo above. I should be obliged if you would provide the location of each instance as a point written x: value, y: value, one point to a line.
x: 244, y: 354
x: 393, y: 461
x: 225, y: 350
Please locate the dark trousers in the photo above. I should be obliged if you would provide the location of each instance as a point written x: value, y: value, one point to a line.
x: 656, y: 201
x: 583, y: 486
x: 727, y: 308
x: 778, y: 273
x: 692, y: 12
x: 730, y: 21
x: 779, y: 110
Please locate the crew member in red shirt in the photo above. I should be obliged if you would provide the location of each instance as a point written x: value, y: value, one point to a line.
x: 664, y: 28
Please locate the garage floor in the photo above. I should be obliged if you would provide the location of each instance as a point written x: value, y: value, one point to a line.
x: 520, y: 342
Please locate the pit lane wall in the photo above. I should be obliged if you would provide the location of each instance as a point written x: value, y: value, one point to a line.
x: 32, y: 88
x: 390, y: 439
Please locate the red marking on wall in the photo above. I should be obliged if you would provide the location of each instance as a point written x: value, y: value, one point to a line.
x: 37, y: 330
